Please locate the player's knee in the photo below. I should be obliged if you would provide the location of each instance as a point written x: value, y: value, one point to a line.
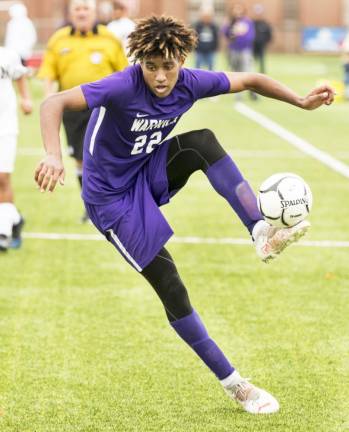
x: 207, y: 135
x: 199, y: 138
x: 209, y: 140
x: 176, y: 300
x: 205, y: 143
x: 175, y: 289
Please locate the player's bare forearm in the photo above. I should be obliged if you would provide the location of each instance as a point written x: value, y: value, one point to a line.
x: 22, y: 86
x: 51, y: 112
x: 24, y: 93
x: 51, y: 170
x: 266, y: 86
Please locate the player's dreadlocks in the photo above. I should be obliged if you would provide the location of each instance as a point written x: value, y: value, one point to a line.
x: 163, y: 36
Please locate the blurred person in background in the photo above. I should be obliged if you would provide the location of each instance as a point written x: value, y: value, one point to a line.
x: 76, y: 54
x: 122, y: 25
x: 263, y: 36
x: 105, y: 12
x: 239, y: 34
x: 345, y: 50
x: 20, y: 34
x: 207, y: 45
x: 11, y: 68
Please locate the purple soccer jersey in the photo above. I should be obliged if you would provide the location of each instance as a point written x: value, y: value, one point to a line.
x: 129, y: 123
x: 125, y: 154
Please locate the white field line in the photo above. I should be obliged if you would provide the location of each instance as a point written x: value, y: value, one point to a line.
x: 32, y: 151
x: 266, y: 154
x: 183, y: 240
x: 293, y: 139
x: 252, y: 154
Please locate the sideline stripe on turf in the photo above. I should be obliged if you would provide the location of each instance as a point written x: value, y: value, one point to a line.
x: 293, y: 139
x: 184, y: 240
x: 240, y: 153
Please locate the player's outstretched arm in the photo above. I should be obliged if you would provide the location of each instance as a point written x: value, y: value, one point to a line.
x: 51, y: 169
x: 266, y: 86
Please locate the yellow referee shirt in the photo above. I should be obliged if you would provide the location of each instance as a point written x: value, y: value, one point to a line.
x: 73, y: 58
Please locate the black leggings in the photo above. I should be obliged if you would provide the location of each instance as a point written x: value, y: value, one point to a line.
x: 162, y: 275
x: 189, y: 152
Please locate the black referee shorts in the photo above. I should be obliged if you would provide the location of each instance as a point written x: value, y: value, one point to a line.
x: 75, y: 124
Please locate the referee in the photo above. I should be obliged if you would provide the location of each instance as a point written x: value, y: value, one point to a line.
x: 76, y: 54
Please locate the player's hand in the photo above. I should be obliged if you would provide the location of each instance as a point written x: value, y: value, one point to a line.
x: 322, y: 95
x: 26, y: 106
x: 49, y: 171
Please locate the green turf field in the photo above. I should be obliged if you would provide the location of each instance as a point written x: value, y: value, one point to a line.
x: 84, y: 343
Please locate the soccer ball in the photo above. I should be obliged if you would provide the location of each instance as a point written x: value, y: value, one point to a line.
x: 284, y: 199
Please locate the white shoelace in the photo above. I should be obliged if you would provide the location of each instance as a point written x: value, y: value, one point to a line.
x: 244, y: 391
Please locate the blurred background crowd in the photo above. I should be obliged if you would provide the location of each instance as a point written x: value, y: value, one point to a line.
x: 249, y: 25
x: 296, y: 23
x: 240, y: 28
x: 70, y: 42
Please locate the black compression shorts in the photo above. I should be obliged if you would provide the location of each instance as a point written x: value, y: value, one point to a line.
x: 75, y: 124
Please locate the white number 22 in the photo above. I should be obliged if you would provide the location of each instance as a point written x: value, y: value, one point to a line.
x: 141, y: 141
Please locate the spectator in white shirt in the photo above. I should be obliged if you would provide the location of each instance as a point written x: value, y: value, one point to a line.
x: 20, y: 33
x: 121, y: 26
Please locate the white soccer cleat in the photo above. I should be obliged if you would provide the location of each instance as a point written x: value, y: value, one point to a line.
x: 271, y: 241
x: 253, y: 399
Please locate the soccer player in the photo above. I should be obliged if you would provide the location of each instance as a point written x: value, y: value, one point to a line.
x: 130, y: 169
x: 11, y: 69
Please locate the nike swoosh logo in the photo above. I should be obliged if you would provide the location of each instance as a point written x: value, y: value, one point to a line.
x: 141, y: 115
